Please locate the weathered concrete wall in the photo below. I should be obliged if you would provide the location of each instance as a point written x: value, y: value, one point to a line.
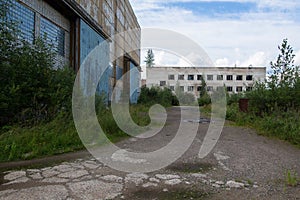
x: 115, y: 17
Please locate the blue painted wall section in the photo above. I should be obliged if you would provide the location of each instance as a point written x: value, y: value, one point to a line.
x: 88, y: 41
x: 119, y: 73
x: 134, y: 83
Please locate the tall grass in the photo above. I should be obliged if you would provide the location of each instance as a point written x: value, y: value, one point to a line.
x: 282, y: 125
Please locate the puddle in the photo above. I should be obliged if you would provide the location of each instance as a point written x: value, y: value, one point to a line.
x: 200, y: 121
x: 191, y: 167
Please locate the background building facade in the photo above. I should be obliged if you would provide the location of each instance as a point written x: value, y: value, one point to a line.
x: 74, y: 28
x: 189, y: 79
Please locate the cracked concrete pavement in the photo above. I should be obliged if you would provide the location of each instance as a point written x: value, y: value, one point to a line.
x: 243, y: 165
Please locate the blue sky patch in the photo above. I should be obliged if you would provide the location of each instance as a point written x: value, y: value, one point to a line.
x: 215, y: 8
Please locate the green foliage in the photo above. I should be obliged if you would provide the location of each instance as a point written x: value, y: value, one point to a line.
x: 156, y: 95
x: 274, y: 105
x: 31, y: 90
x: 150, y: 58
x: 291, y: 178
x: 203, y: 90
x: 282, y: 125
x: 35, y: 100
x: 55, y: 137
x: 233, y: 98
x: 204, y: 100
x: 184, y: 98
x: 281, y: 91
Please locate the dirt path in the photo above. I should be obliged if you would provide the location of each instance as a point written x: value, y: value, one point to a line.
x: 243, y: 165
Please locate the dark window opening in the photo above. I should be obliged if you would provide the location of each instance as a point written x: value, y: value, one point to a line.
x: 162, y: 83
x: 239, y: 89
x: 249, y: 89
x: 180, y: 77
x: 239, y: 77
x: 229, y: 89
x: 229, y: 78
x: 220, y: 77
x: 199, y: 77
x: 190, y: 77
x: 249, y: 78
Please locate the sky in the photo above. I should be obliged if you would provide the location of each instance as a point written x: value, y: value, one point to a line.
x: 232, y: 32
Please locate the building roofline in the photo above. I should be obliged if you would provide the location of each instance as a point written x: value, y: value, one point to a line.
x: 174, y: 67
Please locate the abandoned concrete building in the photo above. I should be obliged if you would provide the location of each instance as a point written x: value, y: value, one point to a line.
x: 189, y: 79
x: 75, y: 27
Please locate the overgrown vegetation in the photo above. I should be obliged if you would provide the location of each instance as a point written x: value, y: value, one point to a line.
x: 31, y: 90
x: 157, y: 95
x: 35, y: 100
x: 204, y: 98
x: 291, y: 178
x: 274, y: 105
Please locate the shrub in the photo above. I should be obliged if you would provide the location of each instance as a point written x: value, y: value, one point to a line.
x: 204, y: 100
x: 31, y: 89
x: 156, y: 95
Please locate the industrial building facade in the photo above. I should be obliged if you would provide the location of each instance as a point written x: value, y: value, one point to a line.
x: 74, y: 28
x: 189, y: 79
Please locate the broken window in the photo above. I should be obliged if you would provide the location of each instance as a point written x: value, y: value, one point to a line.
x: 229, y: 78
x: 239, y: 77
x: 190, y: 77
x: 171, y: 77
x: 25, y: 20
x: 249, y: 89
x: 239, y: 89
x: 220, y: 77
x: 180, y: 77
x: 210, y: 77
x: 190, y: 88
x: 162, y: 83
x: 229, y: 89
x: 210, y: 88
x: 249, y: 78
x: 53, y: 35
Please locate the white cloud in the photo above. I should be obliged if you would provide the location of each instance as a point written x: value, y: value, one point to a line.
x: 297, y: 58
x: 258, y: 59
x: 223, y: 62
x: 251, y: 39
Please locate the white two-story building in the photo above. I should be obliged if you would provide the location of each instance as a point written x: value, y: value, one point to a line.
x: 189, y: 79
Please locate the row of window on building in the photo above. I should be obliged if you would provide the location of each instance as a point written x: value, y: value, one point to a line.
x: 208, y: 88
x: 192, y: 77
x: 25, y: 18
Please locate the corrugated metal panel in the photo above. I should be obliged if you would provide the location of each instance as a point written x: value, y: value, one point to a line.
x: 89, y: 40
x: 135, y: 79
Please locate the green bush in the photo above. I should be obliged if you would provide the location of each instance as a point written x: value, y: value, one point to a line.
x: 274, y: 106
x: 156, y: 95
x: 31, y: 90
x: 204, y: 100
